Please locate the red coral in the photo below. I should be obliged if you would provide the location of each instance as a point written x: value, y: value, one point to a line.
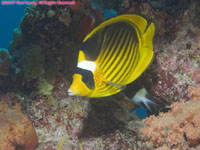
x: 198, y: 37
x: 16, y: 130
x: 85, y: 26
x: 178, y: 128
x: 194, y: 92
x: 196, y: 75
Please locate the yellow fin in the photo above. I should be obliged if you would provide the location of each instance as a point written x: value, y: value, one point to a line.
x: 133, y: 19
x: 139, y: 21
x: 148, y: 37
x: 118, y: 86
x: 146, y: 53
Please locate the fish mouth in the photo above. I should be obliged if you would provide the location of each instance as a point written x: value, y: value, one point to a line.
x: 70, y: 92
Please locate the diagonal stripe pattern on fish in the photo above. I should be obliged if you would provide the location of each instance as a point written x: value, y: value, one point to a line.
x: 112, y: 55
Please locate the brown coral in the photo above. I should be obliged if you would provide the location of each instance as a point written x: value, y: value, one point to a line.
x: 178, y: 128
x: 4, y: 62
x: 194, y: 92
x: 16, y: 130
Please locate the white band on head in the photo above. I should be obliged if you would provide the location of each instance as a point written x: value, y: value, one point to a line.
x: 87, y: 65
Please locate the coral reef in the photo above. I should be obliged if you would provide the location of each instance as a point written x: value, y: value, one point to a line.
x: 176, y: 63
x: 46, y: 43
x: 16, y: 43
x: 84, y: 124
x: 178, y: 128
x: 44, y: 55
x: 194, y: 92
x: 5, y: 69
x: 32, y: 63
x: 109, y: 4
x: 86, y: 25
x: 5, y: 62
x: 44, y: 87
x: 16, y: 130
x: 169, y: 6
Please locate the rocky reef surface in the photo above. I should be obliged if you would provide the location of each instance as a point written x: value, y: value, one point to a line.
x: 16, y: 130
x: 37, y: 69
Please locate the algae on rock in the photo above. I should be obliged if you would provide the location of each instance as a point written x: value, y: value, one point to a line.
x: 33, y: 63
x: 16, y: 43
x: 44, y: 87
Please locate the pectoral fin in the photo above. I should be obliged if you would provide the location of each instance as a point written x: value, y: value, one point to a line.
x: 118, y: 86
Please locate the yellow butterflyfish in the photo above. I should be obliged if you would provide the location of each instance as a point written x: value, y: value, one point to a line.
x: 112, y: 55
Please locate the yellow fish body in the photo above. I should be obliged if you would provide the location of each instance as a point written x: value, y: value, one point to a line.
x: 113, y: 55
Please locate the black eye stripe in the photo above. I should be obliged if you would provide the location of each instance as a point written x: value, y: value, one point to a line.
x: 87, y: 77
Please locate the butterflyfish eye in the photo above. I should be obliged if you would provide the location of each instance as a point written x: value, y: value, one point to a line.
x: 87, y: 77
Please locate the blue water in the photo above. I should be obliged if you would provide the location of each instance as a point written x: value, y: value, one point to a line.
x: 10, y: 16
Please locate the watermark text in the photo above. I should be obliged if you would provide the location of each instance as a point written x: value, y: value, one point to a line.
x: 36, y: 3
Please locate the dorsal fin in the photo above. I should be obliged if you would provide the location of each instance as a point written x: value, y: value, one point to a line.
x: 138, y: 21
x: 146, y: 52
x: 148, y: 36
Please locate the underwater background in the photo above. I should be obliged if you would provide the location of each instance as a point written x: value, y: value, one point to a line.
x: 39, y: 48
x: 10, y: 17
